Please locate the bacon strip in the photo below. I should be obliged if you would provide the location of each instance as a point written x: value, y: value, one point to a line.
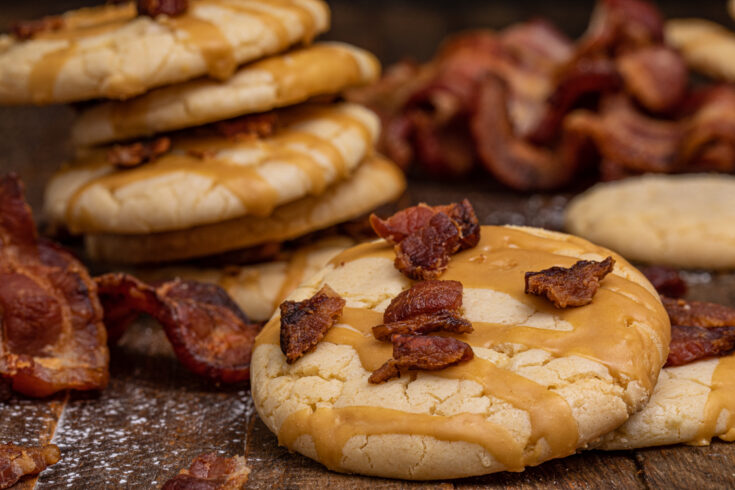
x: 211, y: 472
x: 666, y: 280
x: 305, y: 323
x: 154, y: 8
x: 443, y: 321
x: 425, y: 298
x: 691, y: 343
x: 569, y: 286
x: 428, y: 353
x: 656, y: 76
x: 134, y: 154
x: 210, y: 334
x: 51, y: 332
x: 698, y: 313
x: 17, y: 462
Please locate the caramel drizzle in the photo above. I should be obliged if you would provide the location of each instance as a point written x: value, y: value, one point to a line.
x: 245, y: 182
x: 602, y: 332
x: 721, y: 400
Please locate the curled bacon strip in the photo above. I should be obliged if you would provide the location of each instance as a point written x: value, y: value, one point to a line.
x: 569, y: 286
x: 51, y: 332
x: 17, y: 462
x: 305, y: 323
x: 656, y: 76
x: 209, y: 333
x: 666, y: 280
x: 428, y: 353
x: 154, y: 8
x: 699, y: 313
x: 211, y: 472
x: 134, y: 154
x: 425, y: 237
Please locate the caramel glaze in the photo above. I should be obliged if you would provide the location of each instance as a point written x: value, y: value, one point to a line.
x: 199, y: 34
x: 603, y: 331
x: 198, y: 155
x: 720, y: 403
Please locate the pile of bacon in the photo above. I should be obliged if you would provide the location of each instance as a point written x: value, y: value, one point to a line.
x: 539, y: 111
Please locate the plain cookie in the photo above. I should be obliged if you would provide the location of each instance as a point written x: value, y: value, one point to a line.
x: 279, y: 81
x: 376, y: 181
x: 676, y: 220
x: 111, y: 52
x: 544, y: 381
x: 209, y: 179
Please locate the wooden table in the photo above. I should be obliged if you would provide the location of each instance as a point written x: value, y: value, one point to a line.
x: 155, y: 417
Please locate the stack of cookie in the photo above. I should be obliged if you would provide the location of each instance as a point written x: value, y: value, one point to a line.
x: 220, y: 132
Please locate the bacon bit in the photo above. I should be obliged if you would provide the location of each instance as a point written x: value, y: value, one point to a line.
x: 698, y: 313
x: 569, y: 286
x: 27, y: 29
x: 154, y: 8
x: 211, y: 472
x: 443, y: 321
x: 305, y: 323
x: 666, y: 280
x: 210, y: 334
x: 135, y: 154
x: 17, y: 462
x: 425, y: 236
x: 427, y: 353
x: 425, y: 298
x: 51, y: 332
x: 690, y: 343
x: 249, y: 127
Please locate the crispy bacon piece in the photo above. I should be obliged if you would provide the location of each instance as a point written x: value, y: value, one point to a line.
x: 248, y: 127
x: 569, y: 286
x: 425, y: 298
x: 154, y: 8
x: 428, y: 353
x: 27, y: 29
x: 443, y: 321
x: 621, y: 25
x: 210, y: 334
x: 698, y: 313
x: 691, y: 343
x: 17, y: 462
x: 211, y: 472
x: 134, y: 154
x: 708, y: 141
x: 656, y: 76
x: 305, y: 323
x: 410, y: 220
x: 51, y: 332
x: 666, y: 280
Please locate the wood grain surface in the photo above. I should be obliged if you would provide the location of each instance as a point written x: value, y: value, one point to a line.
x: 155, y: 417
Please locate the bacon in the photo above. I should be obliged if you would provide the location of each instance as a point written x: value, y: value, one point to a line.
x: 17, y: 462
x: 691, y: 343
x: 708, y: 140
x: 428, y: 353
x: 211, y: 336
x: 698, y: 313
x: 443, y: 321
x: 51, y: 332
x: 211, y: 472
x: 134, y: 154
x: 411, y: 220
x: 305, y: 323
x: 154, y: 8
x: 620, y: 25
x: 666, y: 280
x: 572, y: 286
x: 248, y: 127
x: 425, y: 254
x: 27, y: 29
x: 656, y: 76
x: 425, y: 298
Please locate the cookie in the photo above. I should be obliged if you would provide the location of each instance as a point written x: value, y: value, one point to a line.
x: 676, y: 220
x: 691, y: 404
x: 208, y: 179
x: 259, y: 288
x: 279, y: 81
x: 543, y: 382
x: 375, y: 182
x: 707, y: 47
x: 112, y: 52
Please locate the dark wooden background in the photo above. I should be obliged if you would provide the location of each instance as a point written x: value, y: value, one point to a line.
x: 155, y: 417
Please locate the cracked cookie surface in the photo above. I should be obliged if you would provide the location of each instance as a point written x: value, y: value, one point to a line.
x: 543, y: 382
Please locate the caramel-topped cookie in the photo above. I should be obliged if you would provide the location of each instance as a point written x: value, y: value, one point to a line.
x: 278, y: 81
x: 205, y: 178
x: 116, y: 51
x: 540, y: 383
